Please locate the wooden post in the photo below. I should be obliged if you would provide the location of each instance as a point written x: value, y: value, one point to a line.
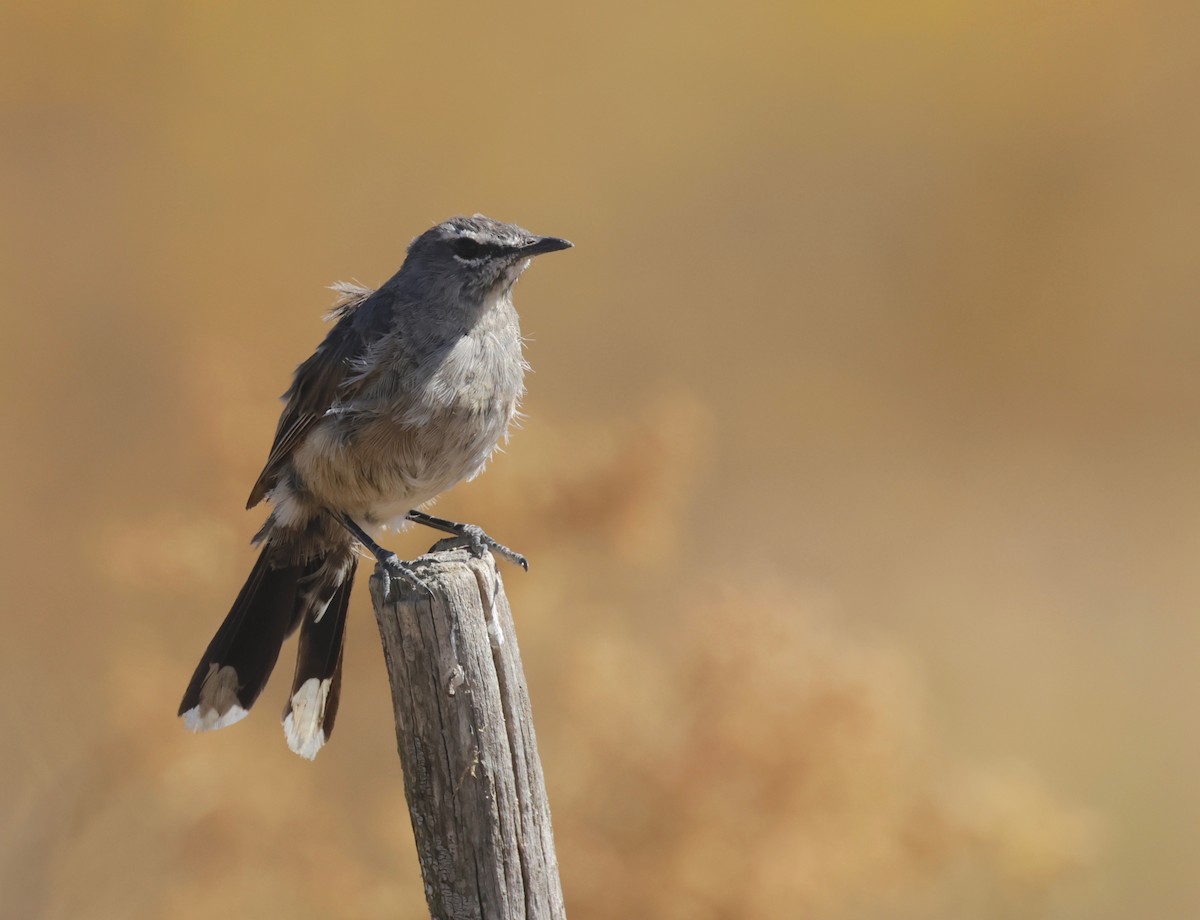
x: 472, y: 775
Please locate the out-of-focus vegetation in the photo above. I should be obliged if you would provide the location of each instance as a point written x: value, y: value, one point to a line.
x: 858, y: 480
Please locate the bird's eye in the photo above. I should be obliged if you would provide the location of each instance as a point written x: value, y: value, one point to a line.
x: 467, y: 248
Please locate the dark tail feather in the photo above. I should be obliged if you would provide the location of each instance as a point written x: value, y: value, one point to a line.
x: 239, y: 659
x: 312, y: 706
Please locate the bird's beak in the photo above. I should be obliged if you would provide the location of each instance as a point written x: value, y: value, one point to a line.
x: 544, y: 244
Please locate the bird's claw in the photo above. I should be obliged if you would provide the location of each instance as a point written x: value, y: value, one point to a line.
x: 479, y: 542
x: 396, y: 569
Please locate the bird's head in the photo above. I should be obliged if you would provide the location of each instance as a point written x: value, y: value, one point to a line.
x: 478, y: 256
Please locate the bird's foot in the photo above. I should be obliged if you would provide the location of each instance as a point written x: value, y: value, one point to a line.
x: 395, y: 569
x: 479, y: 542
x: 387, y: 562
x: 472, y: 537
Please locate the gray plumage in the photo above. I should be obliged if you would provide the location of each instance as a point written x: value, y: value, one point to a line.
x: 408, y: 395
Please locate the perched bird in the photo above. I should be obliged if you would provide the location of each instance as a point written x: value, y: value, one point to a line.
x: 408, y: 394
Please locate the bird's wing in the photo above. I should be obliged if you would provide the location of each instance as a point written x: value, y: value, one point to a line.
x: 324, y: 379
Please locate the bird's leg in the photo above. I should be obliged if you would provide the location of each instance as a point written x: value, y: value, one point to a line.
x: 388, y: 561
x: 476, y: 539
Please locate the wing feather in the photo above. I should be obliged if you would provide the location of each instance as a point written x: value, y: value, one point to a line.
x: 325, y: 378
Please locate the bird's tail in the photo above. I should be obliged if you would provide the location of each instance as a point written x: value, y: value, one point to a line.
x: 313, y: 703
x: 279, y: 595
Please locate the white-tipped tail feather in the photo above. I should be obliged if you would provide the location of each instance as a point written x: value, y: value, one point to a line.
x: 304, y: 723
x: 218, y: 706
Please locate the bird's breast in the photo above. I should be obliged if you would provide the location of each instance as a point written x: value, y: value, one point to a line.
x: 421, y: 428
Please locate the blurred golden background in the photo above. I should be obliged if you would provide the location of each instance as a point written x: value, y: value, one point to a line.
x: 859, y: 480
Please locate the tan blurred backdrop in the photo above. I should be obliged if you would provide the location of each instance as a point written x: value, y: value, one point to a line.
x: 859, y: 480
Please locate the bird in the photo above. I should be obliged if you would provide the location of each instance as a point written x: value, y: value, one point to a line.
x: 411, y: 391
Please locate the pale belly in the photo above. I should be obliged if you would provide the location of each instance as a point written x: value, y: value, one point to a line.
x: 377, y: 469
